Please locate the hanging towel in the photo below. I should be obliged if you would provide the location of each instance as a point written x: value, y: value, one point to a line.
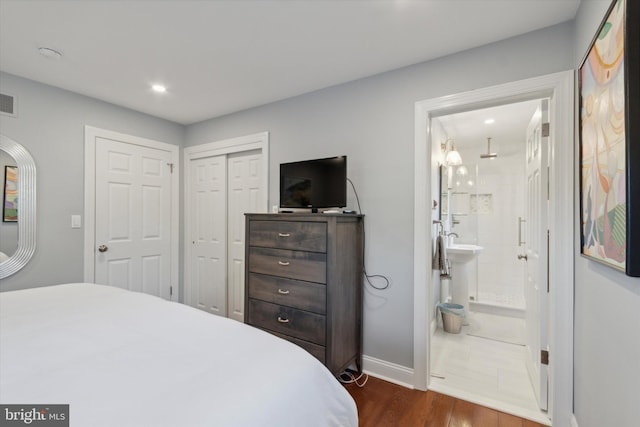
x: 440, y: 257
x: 438, y: 260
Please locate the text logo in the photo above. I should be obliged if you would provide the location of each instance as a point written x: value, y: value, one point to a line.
x: 34, y: 415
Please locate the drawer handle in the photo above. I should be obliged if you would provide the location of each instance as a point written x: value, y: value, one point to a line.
x: 280, y: 291
x: 285, y: 263
x: 281, y: 320
x: 284, y: 234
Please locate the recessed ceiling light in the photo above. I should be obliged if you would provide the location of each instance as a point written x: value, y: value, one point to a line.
x: 159, y: 88
x: 49, y: 53
x: 489, y: 121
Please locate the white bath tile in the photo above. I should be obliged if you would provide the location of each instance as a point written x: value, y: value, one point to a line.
x: 457, y: 356
x: 516, y: 382
x: 484, y: 371
x: 470, y: 372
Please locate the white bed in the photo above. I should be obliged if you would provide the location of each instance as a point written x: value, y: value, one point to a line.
x: 121, y: 358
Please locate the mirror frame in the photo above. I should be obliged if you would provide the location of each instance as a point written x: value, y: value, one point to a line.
x: 26, y: 207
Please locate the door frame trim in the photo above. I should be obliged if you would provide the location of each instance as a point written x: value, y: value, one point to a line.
x: 90, y: 135
x: 560, y: 88
x: 256, y: 141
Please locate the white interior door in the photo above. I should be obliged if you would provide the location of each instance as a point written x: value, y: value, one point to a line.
x: 209, y: 234
x: 244, y: 195
x: 536, y: 255
x: 133, y: 217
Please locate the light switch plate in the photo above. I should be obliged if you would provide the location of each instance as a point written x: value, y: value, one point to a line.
x: 76, y: 221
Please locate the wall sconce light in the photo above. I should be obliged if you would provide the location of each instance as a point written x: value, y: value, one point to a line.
x: 452, y: 157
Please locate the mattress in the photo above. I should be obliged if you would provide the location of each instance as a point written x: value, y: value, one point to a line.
x: 122, y: 358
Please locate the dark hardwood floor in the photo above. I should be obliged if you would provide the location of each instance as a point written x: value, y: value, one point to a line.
x: 381, y: 403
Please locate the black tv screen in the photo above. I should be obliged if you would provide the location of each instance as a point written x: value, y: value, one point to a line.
x: 318, y: 183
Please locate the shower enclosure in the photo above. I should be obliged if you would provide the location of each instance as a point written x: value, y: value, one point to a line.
x: 484, y: 203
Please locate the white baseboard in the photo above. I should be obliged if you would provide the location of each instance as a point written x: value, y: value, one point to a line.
x: 574, y: 422
x: 388, y: 371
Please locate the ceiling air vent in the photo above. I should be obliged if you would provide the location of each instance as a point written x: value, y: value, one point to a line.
x: 8, y: 105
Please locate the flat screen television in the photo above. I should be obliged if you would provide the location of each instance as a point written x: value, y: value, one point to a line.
x: 315, y: 184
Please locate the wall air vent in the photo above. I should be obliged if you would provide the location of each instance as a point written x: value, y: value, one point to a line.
x: 8, y: 105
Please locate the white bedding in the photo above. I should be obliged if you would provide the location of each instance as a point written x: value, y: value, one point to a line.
x: 122, y: 358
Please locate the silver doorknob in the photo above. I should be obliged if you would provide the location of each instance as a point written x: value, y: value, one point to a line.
x: 103, y: 248
x: 524, y: 257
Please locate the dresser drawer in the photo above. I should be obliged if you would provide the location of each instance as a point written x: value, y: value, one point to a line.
x: 316, y: 350
x: 292, y: 293
x: 299, y: 324
x: 307, y: 266
x: 299, y: 235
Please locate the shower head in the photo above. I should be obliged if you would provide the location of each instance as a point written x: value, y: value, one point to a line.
x: 489, y: 154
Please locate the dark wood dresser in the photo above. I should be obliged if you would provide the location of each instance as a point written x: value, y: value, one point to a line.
x: 303, y: 282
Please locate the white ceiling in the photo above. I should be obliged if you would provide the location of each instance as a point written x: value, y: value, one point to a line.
x: 220, y: 56
x: 508, y: 131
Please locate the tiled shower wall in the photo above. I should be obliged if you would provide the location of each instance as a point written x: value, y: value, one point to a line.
x: 485, y: 212
x: 500, y: 274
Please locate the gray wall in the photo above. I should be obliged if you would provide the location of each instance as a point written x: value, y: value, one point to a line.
x: 607, y: 311
x: 372, y: 122
x: 50, y: 125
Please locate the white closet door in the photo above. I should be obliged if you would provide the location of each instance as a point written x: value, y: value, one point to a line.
x: 244, y: 195
x: 226, y: 179
x: 133, y: 217
x: 208, y: 234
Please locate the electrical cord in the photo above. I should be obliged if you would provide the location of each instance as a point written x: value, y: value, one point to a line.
x: 347, y: 377
x: 356, y: 193
x: 385, y: 279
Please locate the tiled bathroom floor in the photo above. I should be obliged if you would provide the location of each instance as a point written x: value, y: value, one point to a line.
x: 483, y: 371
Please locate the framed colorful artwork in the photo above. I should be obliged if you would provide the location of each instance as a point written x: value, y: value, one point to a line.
x: 609, y: 128
x: 10, y: 199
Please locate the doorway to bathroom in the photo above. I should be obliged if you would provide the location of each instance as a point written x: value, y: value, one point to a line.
x: 484, y: 201
x: 559, y: 89
x: 493, y: 199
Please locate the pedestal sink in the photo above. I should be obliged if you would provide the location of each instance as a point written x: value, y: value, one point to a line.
x: 462, y: 252
x: 461, y: 256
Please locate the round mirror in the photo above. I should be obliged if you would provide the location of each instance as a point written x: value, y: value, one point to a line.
x: 19, y: 206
